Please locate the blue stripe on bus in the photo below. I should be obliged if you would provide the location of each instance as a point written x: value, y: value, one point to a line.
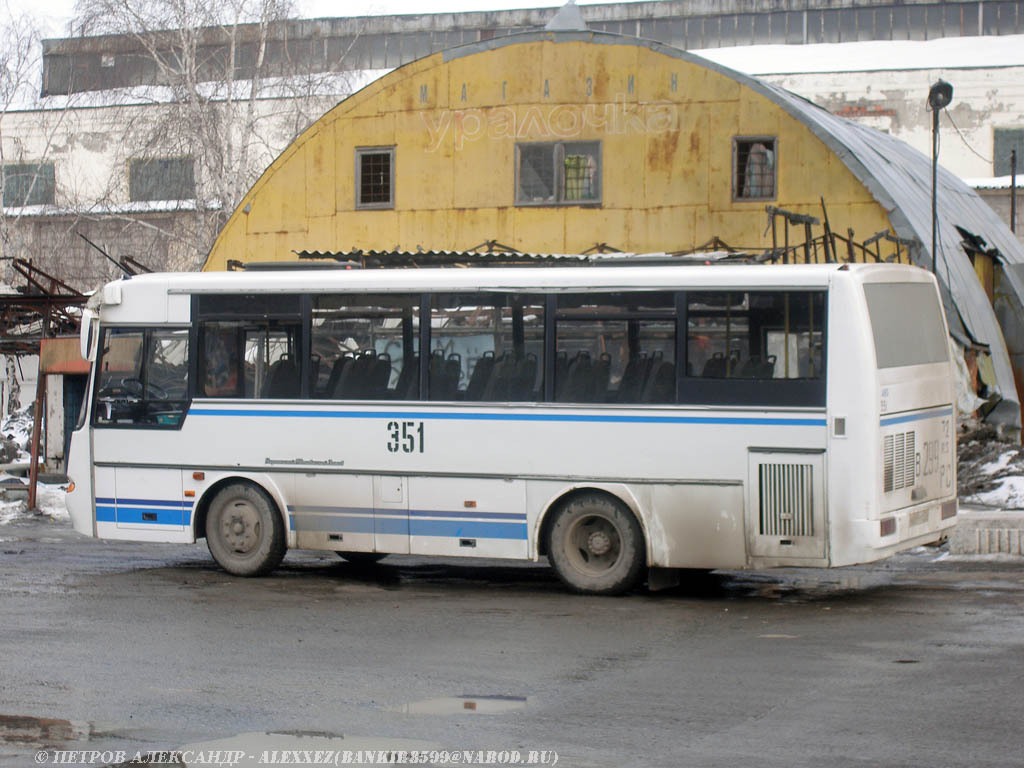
x: 110, y: 510
x: 472, y: 515
x: 918, y: 416
x: 529, y: 417
x: 332, y: 523
x: 150, y: 502
x: 399, y: 524
x: 467, y: 529
x: 391, y: 526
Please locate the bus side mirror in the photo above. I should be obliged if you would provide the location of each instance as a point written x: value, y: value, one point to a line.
x: 89, y: 335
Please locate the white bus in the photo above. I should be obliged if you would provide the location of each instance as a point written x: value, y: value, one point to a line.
x: 624, y: 421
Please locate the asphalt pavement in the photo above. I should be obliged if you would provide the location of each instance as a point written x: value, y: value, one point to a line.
x: 109, y: 648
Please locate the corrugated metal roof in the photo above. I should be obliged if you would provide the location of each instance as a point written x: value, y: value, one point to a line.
x: 442, y: 258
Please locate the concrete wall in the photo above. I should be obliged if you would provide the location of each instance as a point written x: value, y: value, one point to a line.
x: 896, y: 102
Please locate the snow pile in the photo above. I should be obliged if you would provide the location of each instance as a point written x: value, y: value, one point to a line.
x: 990, y: 471
x: 17, y: 434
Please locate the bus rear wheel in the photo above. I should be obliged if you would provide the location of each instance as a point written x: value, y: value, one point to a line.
x: 244, y: 530
x: 596, y: 546
x: 362, y: 558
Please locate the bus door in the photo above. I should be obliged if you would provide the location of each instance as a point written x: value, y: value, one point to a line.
x: 140, y: 402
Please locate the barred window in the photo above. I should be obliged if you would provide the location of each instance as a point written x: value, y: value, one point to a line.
x: 754, y: 164
x: 375, y: 177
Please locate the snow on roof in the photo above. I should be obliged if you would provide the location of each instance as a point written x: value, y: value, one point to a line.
x: 326, y: 85
x: 872, y: 55
x: 995, y: 182
x: 139, y: 206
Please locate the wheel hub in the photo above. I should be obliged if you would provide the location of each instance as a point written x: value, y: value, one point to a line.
x: 598, y: 543
x: 242, y: 529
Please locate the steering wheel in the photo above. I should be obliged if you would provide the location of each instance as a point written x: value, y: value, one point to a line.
x: 133, y: 387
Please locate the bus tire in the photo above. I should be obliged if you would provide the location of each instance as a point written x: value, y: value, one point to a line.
x: 596, y: 546
x: 362, y: 558
x: 244, y: 530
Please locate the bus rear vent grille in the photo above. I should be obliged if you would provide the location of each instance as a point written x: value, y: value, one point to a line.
x: 898, y: 457
x: 787, y: 499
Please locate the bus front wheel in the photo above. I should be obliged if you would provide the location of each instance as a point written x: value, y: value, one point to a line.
x: 244, y: 530
x: 596, y: 546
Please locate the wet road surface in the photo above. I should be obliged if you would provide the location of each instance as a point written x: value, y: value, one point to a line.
x: 915, y: 661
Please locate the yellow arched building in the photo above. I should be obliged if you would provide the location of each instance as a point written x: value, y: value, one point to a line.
x: 547, y: 143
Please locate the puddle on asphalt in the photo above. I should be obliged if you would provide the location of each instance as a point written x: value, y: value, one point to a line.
x: 456, y: 705
x: 28, y: 729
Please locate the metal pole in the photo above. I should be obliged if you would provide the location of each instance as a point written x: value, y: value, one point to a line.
x: 935, y: 176
x: 37, y: 418
x: 1013, y: 190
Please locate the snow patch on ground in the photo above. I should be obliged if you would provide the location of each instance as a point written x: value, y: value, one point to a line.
x: 990, y: 471
x: 1009, y: 494
x: 50, y: 501
x: 49, y: 498
x: 999, y: 465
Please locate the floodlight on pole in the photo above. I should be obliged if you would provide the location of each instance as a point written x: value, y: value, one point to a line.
x: 939, y: 97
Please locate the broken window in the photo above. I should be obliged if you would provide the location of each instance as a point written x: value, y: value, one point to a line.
x: 167, y: 178
x: 753, y: 168
x: 28, y: 184
x: 558, y: 173
x: 375, y: 177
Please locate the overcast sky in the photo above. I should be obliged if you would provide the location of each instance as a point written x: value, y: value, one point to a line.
x: 53, y: 15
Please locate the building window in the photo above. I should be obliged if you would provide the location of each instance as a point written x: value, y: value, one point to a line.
x: 1004, y: 141
x: 28, y: 184
x: 558, y: 173
x: 375, y: 177
x: 753, y: 164
x: 169, y: 178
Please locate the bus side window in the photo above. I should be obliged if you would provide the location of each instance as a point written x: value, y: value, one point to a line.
x: 616, y: 348
x: 367, y: 345
x: 487, y: 347
x: 218, y: 374
x: 755, y: 335
x: 271, y: 360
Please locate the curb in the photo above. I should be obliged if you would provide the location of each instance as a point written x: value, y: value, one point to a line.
x: 981, y: 531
